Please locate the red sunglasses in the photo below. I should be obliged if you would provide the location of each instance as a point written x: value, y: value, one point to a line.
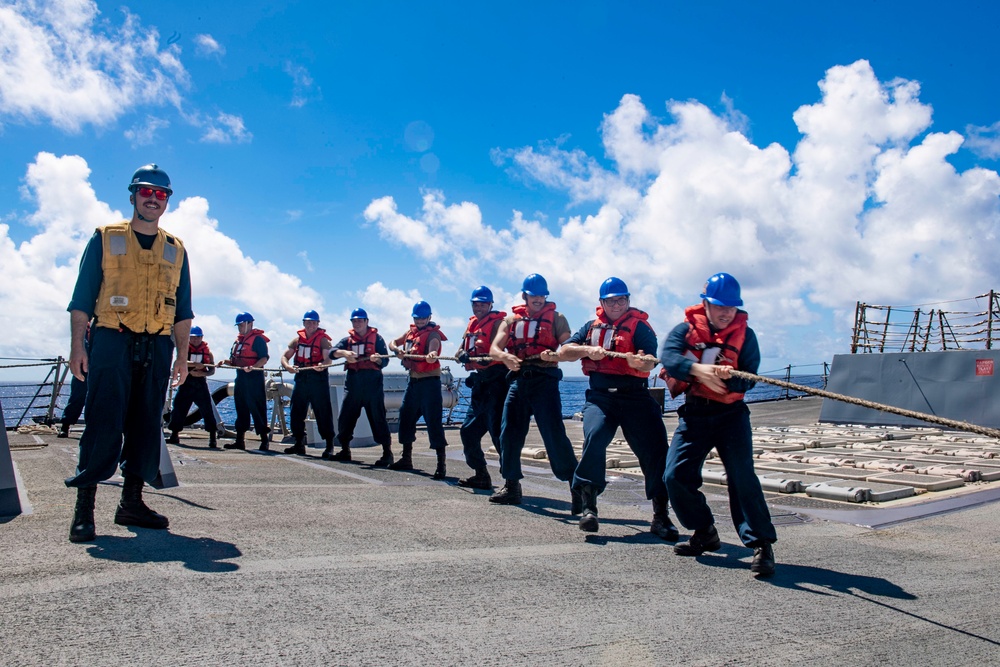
x: 149, y: 192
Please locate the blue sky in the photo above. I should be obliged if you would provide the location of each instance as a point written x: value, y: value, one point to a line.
x: 330, y: 155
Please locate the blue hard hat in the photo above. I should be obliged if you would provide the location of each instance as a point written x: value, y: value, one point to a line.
x: 722, y: 290
x: 310, y: 316
x: 482, y: 294
x: 151, y: 175
x: 196, y: 331
x: 614, y: 287
x: 421, y: 309
x: 535, y: 285
x: 359, y: 314
x: 243, y: 317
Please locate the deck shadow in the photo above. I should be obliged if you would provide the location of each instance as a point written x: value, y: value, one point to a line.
x: 200, y: 554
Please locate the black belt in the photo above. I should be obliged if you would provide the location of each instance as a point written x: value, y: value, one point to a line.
x: 621, y: 390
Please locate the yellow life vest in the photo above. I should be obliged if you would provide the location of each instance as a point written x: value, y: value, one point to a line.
x: 139, y: 290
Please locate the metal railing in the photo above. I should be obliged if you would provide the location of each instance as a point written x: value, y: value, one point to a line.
x: 41, y: 405
x: 968, y: 324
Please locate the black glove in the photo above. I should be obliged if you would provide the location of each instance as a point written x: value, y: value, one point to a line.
x: 463, y: 357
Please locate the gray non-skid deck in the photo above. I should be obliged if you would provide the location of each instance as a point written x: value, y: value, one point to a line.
x: 284, y: 560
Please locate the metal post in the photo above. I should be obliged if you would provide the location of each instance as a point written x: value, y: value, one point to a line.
x: 885, y: 329
x: 858, y: 310
x: 989, y: 320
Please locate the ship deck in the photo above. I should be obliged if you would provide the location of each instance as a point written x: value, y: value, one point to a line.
x: 288, y: 560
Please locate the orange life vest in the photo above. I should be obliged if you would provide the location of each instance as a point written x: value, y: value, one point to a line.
x: 700, y: 338
x: 616, y: 337
x: 417, y: 341
x: 200, y: 354
x: 310, y: 350
x: 529, y: 336
x: 479, y: 336
x: 364, y: 347
x: 242, y: 354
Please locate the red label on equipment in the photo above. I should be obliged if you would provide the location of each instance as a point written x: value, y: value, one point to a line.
x: 984, y: 367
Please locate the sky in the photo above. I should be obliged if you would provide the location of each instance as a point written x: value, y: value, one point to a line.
x: 335, y: 155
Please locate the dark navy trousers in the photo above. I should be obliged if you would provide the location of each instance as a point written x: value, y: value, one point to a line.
x: 126, y: 388
x: 312, y: 388
x: 250, y: 398
x: 702, y: 425
x: 422, y: 399
x: 77, y: 399
x: 489, y: 390
x: 535, y: 391
x: 193, y: 391
x: 638, y: 415
x: 363, y: 389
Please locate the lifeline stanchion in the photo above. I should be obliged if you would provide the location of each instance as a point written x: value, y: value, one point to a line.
x: 912, y: 414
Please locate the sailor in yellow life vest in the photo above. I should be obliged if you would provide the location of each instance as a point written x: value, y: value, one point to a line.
x: 135, y: 284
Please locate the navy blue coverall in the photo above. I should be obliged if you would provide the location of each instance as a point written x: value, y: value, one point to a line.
x: 704, y: 424
x: 489, y: 390
x: 312, y: 388
x: 624, y: 401
x: 250, y: 396
x: 194, y: 391
x: 363, y: 389
x: 534, y: 390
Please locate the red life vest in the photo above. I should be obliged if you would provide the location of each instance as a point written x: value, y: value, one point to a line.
x: 200, y: 354
x: 616, y: 337
x: 417, y: 341
x: 364, y: 348
x: 310, y: 350
x: 700, y: 338
x: 242, y: 354
x: 529, y: 336
x: 479, y: 336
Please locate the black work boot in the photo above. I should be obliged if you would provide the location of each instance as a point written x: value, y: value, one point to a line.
x: 344, y: 455
x: 481, y: 480
x: 64, y: 431
x: 763, y: 561
x: 588, y: 517
x: 510, y: 494
x: 576, y: 500
x: 132, y: 511
x: 265, y: 443
x: 704, y: 539
x: 661, y: 525
x: 299, y: 447
x: 327, y: 454
x: 442, y: 467
x: 405, y: 461
x: 386, y: 459
x: 83, y: 529
x: 213, y: 442
x: 239, y: 444
x: 174, y: 438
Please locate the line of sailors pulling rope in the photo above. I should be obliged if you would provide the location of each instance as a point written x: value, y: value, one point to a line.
x: 513, y: 359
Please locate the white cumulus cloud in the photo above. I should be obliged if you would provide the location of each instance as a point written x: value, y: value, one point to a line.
x: 206, y: 45
x: 40, y: 273
x: 62, y: 65
x: 865, y: 207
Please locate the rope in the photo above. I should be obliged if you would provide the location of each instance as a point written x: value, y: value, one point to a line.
x: 319, y: 367
x: 425, y: 356
x: 912, y: 414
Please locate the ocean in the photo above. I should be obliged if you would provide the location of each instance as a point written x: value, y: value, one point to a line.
x: 16, y: 398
